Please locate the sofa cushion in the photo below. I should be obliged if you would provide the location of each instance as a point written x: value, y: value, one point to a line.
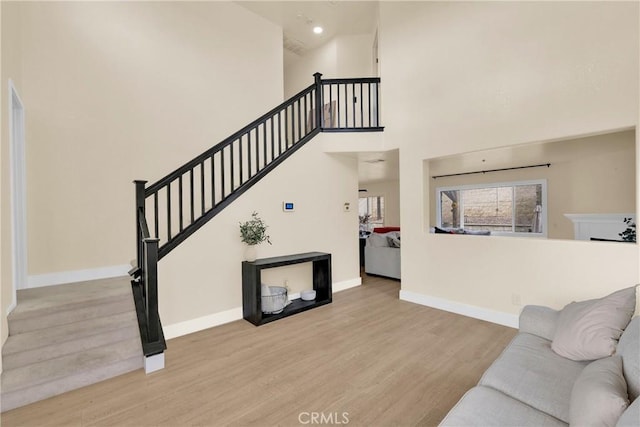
x: 538, y: 320
x: 483, y: 406
x: 599, y: 394
x: 529, y: 371
x: 629, y: 350
x: 377, y: 240
x: 589, y: 330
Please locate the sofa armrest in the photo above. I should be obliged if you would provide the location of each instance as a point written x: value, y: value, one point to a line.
x: 539, y: 320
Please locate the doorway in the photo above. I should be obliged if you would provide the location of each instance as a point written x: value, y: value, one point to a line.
x: 18, y: 191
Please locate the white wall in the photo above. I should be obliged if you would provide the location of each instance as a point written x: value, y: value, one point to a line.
x: 124, y: 91
x: 203, y: 275
x: 460, y: 77
x: 341, y: 57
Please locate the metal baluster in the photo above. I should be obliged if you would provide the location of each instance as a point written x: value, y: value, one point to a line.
x: 231, y: 166
x: 346, y: 107
x: 240, y: 157
x: 369, y: 96
x: 213, y: 183
x: 273, y: 150
x: 202, y: 187
x: 286, y: 128
x: 249, y: 153
x: 279, y: 135
x: 180, y: 201
x: 299, y: 120
x: 264, y: 144
x: 222, y: 174
x: 361, y: 108
x: 155, y: 214
x: 353, y: 103
x: 191, y: 193
x: 168, y: 211
x: 338, y: 103
x: 377, y: 105
x: 305, y: 114
x: 257, y: 150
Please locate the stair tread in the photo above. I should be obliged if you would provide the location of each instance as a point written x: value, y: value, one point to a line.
x: 51, y: 299
x: 50, y: 370
x: 70, y: 332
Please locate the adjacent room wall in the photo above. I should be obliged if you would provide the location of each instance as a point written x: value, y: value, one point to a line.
x: 587, y: 175
x: 468, y: 76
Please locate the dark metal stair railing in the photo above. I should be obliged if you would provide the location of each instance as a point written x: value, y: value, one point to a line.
x: 187, y: 198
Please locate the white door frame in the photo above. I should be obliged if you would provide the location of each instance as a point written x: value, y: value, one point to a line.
x: 18, y: 184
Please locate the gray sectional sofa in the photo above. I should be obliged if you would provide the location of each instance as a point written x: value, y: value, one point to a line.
x: 531, y: 385
x: 382, y: 254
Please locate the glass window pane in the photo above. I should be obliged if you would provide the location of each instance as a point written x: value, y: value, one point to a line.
x: 374, y: 207
x: 528, y: 205
x: 449, y: 212
x: 488, y: 208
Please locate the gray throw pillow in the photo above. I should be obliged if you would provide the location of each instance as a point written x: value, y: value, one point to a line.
x: 394, y: 242
x: 599, y: 395
x: 590, y: 330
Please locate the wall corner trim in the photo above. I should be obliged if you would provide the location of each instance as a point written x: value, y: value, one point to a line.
x: 205, y: 322
x: 501, y: 318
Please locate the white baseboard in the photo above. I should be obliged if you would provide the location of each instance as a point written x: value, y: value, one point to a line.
x: 501, y: 318
x: 62, y: 277
x: 205, y: 322
x: 217, y: 319
x: 13, y: 305
x: 346, y: 284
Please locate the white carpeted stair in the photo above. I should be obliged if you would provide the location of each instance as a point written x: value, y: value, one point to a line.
x: 68, y: 336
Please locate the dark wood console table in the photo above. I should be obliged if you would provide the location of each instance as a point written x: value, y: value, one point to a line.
x: 251, y: 285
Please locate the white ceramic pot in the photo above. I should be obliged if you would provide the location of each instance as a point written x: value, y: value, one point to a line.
x: 250, y: 253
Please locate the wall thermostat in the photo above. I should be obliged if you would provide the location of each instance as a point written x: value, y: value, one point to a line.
x: 288, y: 206
x: 346, y: 207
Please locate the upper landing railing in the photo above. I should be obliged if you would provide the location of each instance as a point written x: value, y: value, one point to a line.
x: 171, y: 209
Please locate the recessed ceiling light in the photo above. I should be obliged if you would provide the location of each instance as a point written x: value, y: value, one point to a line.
x: 318, y: 30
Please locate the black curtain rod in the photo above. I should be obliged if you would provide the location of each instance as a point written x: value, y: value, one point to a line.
x: 492, y: 170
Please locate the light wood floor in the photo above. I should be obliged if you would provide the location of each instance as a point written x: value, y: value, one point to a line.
x: 368, y: 356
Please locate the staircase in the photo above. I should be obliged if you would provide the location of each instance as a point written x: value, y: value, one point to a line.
x: 176, y: 206
x: 68, y: 336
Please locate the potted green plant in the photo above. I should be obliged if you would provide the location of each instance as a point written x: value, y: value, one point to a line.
x: 629, y: 235
x: 253, y: 232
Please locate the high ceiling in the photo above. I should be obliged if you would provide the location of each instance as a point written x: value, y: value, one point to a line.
x: 297, y: 19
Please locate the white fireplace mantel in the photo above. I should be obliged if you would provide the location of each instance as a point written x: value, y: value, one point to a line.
x: 602, y: 226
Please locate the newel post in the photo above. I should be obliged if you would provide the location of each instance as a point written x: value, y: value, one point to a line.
x: 151, y: 288
x: 319, y: 102
x: 140, y: 209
